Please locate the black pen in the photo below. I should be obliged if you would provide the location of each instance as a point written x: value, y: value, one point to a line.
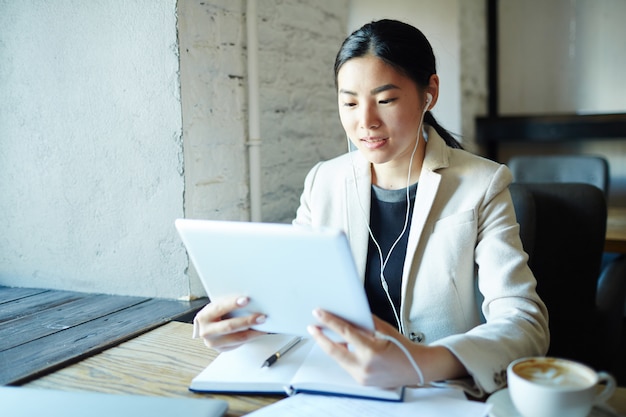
x: 270, y: 361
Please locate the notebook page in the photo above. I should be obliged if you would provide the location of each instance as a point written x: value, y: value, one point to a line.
x: 320, y: 372
x: 418, y: 402
x: 240, y: 369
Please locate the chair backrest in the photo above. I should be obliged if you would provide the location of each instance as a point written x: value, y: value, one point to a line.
x: 588, y: 169
x: 569, y: 233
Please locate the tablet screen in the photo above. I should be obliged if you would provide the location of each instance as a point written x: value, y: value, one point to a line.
x: 286, y: 270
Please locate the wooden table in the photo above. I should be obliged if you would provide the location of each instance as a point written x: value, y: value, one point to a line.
x: 616, y: 230
x: 162, y: 362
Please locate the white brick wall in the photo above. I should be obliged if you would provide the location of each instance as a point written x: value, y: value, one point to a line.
x: 212, y: 59
x: 298, y: 41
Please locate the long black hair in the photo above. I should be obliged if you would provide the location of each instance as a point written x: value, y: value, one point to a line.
x: 402, y: 46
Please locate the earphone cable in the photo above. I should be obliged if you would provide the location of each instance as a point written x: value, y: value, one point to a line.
x: 406, y: 352
x: 383, y: 263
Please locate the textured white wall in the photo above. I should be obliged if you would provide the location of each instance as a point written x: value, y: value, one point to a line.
x: 298, y: 41
x: 213, y: 92
x: 473, y: 67
x: 91, y: 173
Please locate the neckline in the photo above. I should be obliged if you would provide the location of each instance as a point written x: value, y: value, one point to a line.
x: 393, y: 196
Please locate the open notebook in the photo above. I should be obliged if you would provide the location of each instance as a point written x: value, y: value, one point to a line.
x: 305, y: 368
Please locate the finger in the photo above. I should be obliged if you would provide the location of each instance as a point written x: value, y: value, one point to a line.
x: 222, y: 333
x: 337, y: 350
x: 383, y: 326
x: 231, y: 325
x: 346, y: 358
x: 228, y: 342
x: 221, y: 307
x: 211, y: 319
x: 351, y: 333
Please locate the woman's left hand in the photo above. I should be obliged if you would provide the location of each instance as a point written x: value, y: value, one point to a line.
x: 370, y: 360
x: 379, y: 362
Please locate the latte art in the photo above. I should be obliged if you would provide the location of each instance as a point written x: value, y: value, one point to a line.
x: 553, y: 374
x: 542, y: 386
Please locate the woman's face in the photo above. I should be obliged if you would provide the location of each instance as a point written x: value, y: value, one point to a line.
x: 380, y: 109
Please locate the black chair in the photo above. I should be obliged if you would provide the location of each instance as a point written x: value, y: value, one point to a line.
x: 588, y: 169
x: 591, y: 169
x: 565, y: 243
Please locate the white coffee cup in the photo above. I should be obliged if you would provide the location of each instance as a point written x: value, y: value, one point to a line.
x: 548, y: 387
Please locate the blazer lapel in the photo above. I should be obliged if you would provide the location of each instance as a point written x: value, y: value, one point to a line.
x: 358, y: 197
x: 436, y: 157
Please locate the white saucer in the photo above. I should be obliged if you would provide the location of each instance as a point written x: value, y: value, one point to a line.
x: 502, y: 404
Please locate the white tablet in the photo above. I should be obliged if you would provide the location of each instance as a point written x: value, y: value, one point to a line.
x: 286, y: 270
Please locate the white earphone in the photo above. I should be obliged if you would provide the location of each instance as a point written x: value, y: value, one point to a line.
x: 383, y: 262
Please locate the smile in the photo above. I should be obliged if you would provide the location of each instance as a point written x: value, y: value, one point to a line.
x: 374, y: 142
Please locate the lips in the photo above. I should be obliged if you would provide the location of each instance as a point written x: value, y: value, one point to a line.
x: 374, y: 142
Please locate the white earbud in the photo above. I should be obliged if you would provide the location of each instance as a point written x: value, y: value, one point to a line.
x: 384, y: 260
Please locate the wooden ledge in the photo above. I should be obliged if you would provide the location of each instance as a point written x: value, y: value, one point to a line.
x: 43, y: 330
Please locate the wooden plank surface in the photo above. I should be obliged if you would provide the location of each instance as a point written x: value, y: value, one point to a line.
x: 57, y: 314
x: 161, y: 362
x: 41, y: 331
x: 8, y: 294
x: 21, y: 307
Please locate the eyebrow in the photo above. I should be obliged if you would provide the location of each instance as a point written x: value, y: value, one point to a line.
x: 373, y: 92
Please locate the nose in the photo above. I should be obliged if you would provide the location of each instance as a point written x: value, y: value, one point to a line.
x: 369, y: 117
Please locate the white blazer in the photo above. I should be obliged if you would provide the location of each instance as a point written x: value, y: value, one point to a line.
x: 466, y: 284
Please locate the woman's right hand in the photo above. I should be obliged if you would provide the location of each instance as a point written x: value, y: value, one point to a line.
x: 222, y: 332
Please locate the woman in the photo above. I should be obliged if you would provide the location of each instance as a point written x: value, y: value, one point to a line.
x: 431, y: 226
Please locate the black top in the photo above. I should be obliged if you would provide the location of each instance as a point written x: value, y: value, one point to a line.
x: 387, y: 217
